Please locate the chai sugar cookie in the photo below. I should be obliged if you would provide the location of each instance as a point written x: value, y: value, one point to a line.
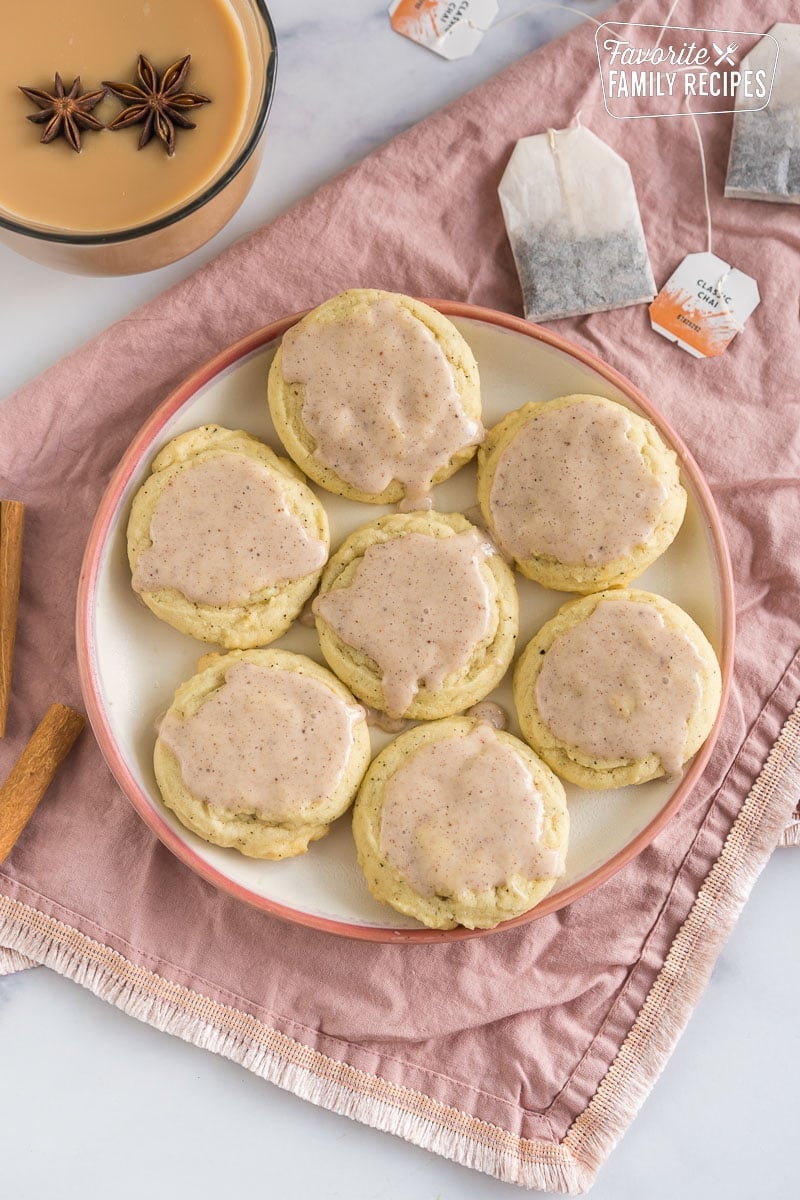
x: 618, y: 688
x: 226, y: 541
x: 261, y: 750
x: 418, y: 614
x: 376, y: 397
x: 457, y: 823
x: 581, y: 492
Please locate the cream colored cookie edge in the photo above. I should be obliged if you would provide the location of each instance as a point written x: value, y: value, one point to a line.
x: 268, y: 613
x: 566, y: 760
x: 472, y: 909
x: 286, y: 399
x: 587, y: 578
x: 244, y: 830
x: 489, y: 663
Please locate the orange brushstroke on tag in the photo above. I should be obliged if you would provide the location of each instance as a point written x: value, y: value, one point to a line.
x: 416, y: 19
x: 707, y: 331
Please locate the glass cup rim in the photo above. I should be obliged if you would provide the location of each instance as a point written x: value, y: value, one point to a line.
x: 137, y: 231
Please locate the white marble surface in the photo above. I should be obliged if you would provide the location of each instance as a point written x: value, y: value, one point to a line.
x: 94, y: 1104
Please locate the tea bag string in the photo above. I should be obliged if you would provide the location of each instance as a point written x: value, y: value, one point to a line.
x: 704, y: 169
x: 663, y: 29
x: 718, y: 286
x: 570, y: 8
x: 562, y: 187
x: 564, y: 7
x: 529, y: 8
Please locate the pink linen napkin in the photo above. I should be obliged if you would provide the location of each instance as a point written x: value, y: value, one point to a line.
x: 525, y: 1054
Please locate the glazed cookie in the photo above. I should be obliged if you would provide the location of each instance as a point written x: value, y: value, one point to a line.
x: 581, y: 492
x: 225, y: 540
x: 260, y: 751
x: 618, y: 688
x: 376, y: 397
x: 457, y: 823
x: 418, y: 614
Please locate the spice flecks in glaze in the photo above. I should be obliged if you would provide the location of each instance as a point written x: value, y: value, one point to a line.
x: 380, y: 398
x: 463, y: 814
x: 221, y: 531
x: 269, y: 741
x: 622, y: 685
x: 572, y: 485
x: 419, y: 606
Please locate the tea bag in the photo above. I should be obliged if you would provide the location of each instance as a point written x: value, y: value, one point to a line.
x: 764, y: 161
x: 573, y: 222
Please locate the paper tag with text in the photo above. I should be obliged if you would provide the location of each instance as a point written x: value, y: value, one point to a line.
x: 451, y: 28
x: 704, y: 304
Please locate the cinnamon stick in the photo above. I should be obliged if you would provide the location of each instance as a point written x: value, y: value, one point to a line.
x: 33, y: 772
x: 12, y: 520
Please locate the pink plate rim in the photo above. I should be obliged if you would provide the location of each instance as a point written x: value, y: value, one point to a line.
x: 89, y: 678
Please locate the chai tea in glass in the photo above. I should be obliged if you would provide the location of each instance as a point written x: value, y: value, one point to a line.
x: 127, y: 130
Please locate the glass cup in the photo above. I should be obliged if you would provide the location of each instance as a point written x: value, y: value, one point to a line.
x: 183, y: 229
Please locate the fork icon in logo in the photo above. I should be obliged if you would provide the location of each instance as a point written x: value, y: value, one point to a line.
x: 724, y: 55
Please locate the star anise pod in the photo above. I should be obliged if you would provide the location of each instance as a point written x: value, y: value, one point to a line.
x: 66, y: 112
x: 158, y: 103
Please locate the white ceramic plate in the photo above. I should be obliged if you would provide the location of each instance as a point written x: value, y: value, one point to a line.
x: 131, y: 662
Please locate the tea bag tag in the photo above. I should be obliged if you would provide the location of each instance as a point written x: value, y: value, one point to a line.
x: 704, y: 304
x: 451, y: 28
